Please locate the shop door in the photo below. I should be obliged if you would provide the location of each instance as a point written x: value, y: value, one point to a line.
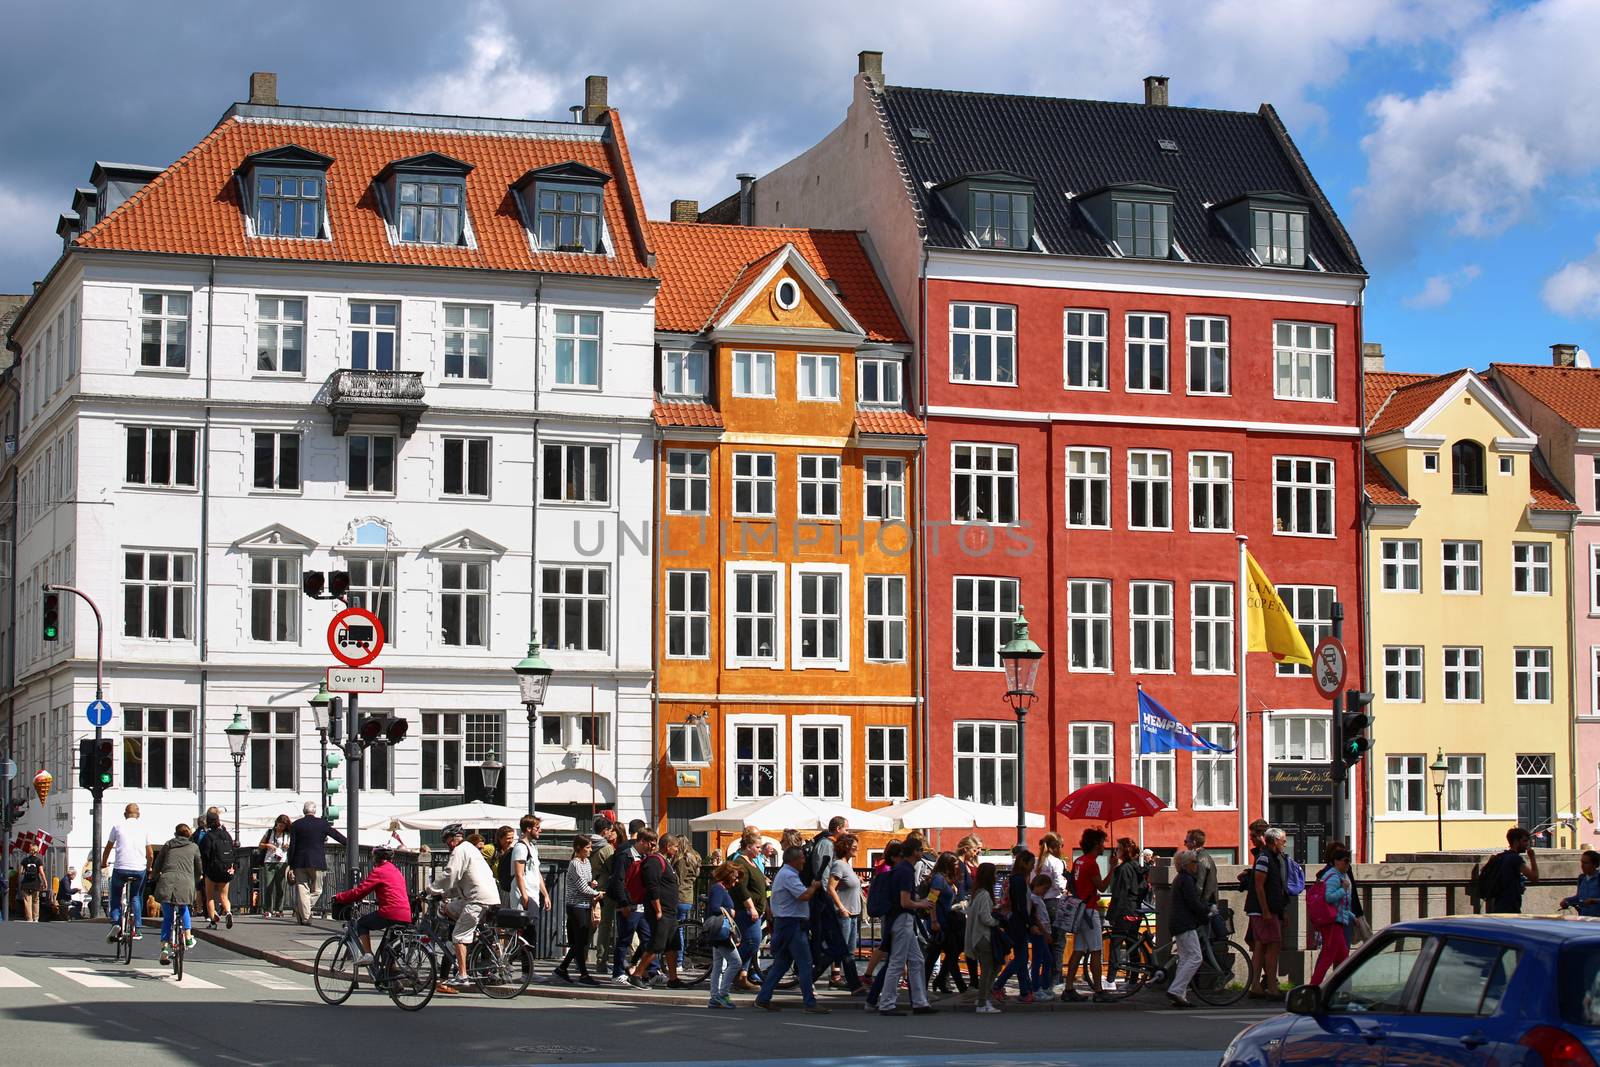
x: 1308, y: 824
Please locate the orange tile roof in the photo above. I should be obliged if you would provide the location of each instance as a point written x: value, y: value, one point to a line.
x: 888, y: 421
x: 1407, y: 401
x: 1379, y: 384
x: 1573, y: 393
x: 699, y: 264
x: 193, y: 206
x: 687, y: 413
x: 1381, y: 487
x: 1543, y: 494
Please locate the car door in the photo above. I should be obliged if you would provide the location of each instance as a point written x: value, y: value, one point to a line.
x: 1459, y: 1000
x: 1361, y: 1009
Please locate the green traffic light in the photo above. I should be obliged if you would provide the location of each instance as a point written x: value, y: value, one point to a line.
x: 105, y: 779
x: 50, y: 633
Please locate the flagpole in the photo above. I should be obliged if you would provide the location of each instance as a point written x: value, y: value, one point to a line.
x: 1138, y: 771
x: 1242, y: 760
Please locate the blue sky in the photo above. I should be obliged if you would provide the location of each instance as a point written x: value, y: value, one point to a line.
x: 1459, y: 139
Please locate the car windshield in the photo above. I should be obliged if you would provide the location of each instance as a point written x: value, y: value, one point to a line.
x: 1378, y: 983
x: 1580, y: 983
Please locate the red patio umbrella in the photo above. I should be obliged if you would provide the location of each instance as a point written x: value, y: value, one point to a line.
x: 1109, y: 801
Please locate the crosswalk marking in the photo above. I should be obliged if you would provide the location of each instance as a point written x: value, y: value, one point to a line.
x: 90, y: 979
x: 164, y: 974
x: 10, y: 979
x: 266, y: 979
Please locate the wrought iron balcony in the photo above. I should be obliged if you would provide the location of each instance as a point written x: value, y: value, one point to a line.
x: 376, y: 392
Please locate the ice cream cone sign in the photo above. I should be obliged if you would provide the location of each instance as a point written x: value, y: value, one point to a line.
x: 41, y: 784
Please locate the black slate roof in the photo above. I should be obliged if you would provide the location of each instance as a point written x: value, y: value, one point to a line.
x: 1078, y: 146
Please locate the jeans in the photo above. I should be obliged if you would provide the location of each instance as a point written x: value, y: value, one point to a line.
x: 636, y: 922
x: 749, y: 944
x: 1189, y: 957
x: 791, y: 946
x: 120, y: 878
x: 832, y: 948
x: 684, y: 911
x: 851, y: 930
x: 905, y: 958
x: 724, y: 965
x: 168, y: 913
x: 1039, y: 947
x: 1020, y: 940
x: 272, y: 887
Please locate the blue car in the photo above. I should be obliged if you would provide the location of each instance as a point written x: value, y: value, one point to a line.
x: 1471, y: 990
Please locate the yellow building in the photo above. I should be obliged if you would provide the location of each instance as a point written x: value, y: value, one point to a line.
x: 1467, y: 588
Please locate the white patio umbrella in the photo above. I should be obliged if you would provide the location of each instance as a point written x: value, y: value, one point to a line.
x: 474, y: 816
x: 787, y: 811
x: 939, y: 812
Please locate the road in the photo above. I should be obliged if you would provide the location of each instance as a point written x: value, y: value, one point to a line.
x: 64, y: 1000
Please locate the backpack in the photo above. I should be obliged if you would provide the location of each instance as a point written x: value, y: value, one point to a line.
x: 1318, y: 911
x: 503, y: 871
x: 810, y: 871
x: 1489, y: 883
x: 880, y: 896
x: 634, y: 881
x: 1294, y: 877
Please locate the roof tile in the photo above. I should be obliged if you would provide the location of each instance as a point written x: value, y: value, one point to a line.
x: 1573, y: 393
x: 1406, y: 401
x: 686, y: 413
x: 888, y: 421
x: 1543, y: 494
x: 1381, y: 488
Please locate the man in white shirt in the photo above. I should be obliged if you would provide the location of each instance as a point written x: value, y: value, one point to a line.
x: 527, y: 880
x: 468, y: 880
x: 131, y: 845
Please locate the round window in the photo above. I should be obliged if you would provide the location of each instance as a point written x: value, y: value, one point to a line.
x: 787, y: 295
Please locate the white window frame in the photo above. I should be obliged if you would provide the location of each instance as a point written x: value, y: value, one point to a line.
x: 1223, y: 768
x: 1203, y: 347
x: 466, y: 334
x: 1594, y: 567
x: 376, y: 595
x: 820, y: 482
x: 799, y: 724
x: 281, y: 731
x: 569, y: 727
x: 1464, y: 770
x: 283, y: 598
x: 1322, y: 499
x: 780, y: 743
x: 998, y: 756
x: 1508, y: 465
x: 273, y: 324
x: 1145, y: 472
x: 880, y: 372
x: 757, y: 483
x: 1316, y: 738
x: 757, y: 366
x: 1091, y: 753
x: 1403, y: 672
x: 372, y: 330
x: 1214, y: 484
x: 688, y: 475
x: 1400, y: 558
x: 1154, y: 350
x: 799, y: 620
x: 1000, y: 618
x: 467, y: 591
x: 137, y: 733
x: 1529, y: 570
x: 1155, y: 771
x: 606, y: 601
x: 576, y: 334
x: 679, y: 366
x: 681, y: 590
x: 1463, y: 666
x: 999, y: 337
x: 1594, y: 680
x: 178, y: 595
x: 1211, y: 629
x: 1079, y: 343
x: 1465, y: 560
x: 1084, y: 623
x: 276, y: 475
x: 1430, y: 463
x: 889, y: 626
x: 1312, y: 627
x: 1079, y: 470
x: 813, y: 372
x: 1303, y: 353
x: 684, y: 746
x: 1003, y: 487
x: 171, y: 326
x: 881, y: 761
x: 371, y: 459
x: 1536, y: 664
x: 1409, y: 771
x: 886, y: 475
x: 1156, y: 625
x: 588, y: 451
x: 732, y: 616
x: 467, y: 447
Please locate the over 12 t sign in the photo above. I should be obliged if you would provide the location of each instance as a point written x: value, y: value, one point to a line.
x: 355, y: 637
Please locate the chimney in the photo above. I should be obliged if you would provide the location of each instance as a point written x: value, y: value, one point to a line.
x: 1564, y: 355
x: 264, y: 88
x: 1155, y: 90
x: 1371, y: 356
x: 686, y: 211
x: 594, y: 98
x: 746, y: 187
x: 871, y: 64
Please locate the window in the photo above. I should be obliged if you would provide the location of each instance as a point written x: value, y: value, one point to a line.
x: 983, y: 344
x: 1085, y: 349
x: 1303, y: 496
x: 1212, y: 622
x: 688, y: 482
x: 1089, y: 488
x: 986, y: 762
x: 984, y: 611
x: 578, y: 349
x: 454, y: 741
x: 1001, y: 220
x: 1089, y: 624
x: 1378, y: 984
x: 158, y: 595
x: 1311, y: 606
x: 683, y: 373
x: 821, y: 619
x: 1402, y: 674
x: 821, y: 771
x: 1466, y: 468
x: 755, y: 617
x: 1151, y: 616
x: 878, y: 381
x: 1210, y: 491
x: 755, y: 761
x: 1468, y: 978
x: 888, y: 770
x: 886, y: 488
x: 372, y: 586
x: 886, y: 618
x: 1149, y: 490
x: 1508, y: 464
x: 688, y: 614
x: 753, y: 375
x: 1147, y: 353
x: 1404, y: 781
x: 1280, y: 237
x: 817, y: 377
x: 755, y: 483
x: 1214, y: 770
x: 1302, y: 356
x: 280, y: 335
x: 1462, y: 566
x: 1144, y: 229
x: 1463, y: 785
x: 575, y: 603
x: 157, y: 748
x: 466, y: 466
x: 1463, y: 675
x: 371, y: 463
x: 577, y: 474
x: 1299, y: 739
x: 163, y: 330
x: 468, y: 342
x: 1089, y: 757
x: 787, y: 294
x: 275, y: 599
x: 288, y: 205
x: 277, y: 461
x: 1402, y: 566
x: 1208, y: 355
x: 685, y: 746
x: 575, y: 730
x: 430, y: 212
x: 374, y: 335
x: 1155, y: 771
x: 1532, y: 674
x: 1530, y: 568
x: 568, y: 220
x: 159, y: 456
x: 984, y: 485
x: 274, y: 749
x: 464, y: 604
x: 819, y: 487
x: 1594, y: 579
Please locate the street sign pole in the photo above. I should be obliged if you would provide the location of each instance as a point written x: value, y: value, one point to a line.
x: 99, y: 696
x: 352, y: 782
x: 1335, y: 752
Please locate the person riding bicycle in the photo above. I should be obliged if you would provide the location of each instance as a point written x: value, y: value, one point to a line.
x: 176, y: 873
x: 469, y: 886
x: 129, y: 843
x: 394, y: 904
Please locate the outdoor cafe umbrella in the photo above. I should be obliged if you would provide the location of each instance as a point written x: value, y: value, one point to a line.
x: 787, y: 811
x: 1109, y: 801
x: 939, y: 812
x: 475, y: 816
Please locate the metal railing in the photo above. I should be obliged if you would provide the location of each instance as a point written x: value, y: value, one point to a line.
x: 375, y: 386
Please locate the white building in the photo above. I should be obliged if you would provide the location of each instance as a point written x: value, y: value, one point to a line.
x: 414, y: 348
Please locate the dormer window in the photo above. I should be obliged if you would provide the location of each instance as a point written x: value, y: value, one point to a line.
x: 427, y: 195
x: 565, y: 207
x: 995, y: 208
x: 1271, y: 225
x: 1134, y: 217
x: 285, y: 191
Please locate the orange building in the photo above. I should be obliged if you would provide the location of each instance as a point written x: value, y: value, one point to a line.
x: 787, y: 644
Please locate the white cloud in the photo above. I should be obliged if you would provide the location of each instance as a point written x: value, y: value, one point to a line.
x: 1575, y: 288
x: 495, y: 81
x: 1437, y: 290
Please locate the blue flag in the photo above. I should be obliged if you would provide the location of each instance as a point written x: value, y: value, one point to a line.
x: 1160, y: 731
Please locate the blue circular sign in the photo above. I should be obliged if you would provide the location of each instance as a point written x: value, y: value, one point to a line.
x: 99, y: 713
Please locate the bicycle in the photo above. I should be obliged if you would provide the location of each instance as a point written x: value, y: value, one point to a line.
x: 125, y: 925
x: 180, y: 939
x: 401, y: 967
x: 499, y: 961
x: 1134, y: 961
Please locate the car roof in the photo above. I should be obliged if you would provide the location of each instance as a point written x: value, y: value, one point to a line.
x: 1545, y: 929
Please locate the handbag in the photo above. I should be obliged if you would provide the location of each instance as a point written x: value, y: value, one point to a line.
x: 1072, y: 912
x: 715, y: 931
x: 1360, y: 930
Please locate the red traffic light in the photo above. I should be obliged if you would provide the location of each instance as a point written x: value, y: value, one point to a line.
x: 338, y: 583
x: 395, y: 732
x: 370, y: 729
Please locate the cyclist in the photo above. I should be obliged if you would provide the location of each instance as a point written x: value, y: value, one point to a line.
x: 394, y: 906
x: 469, y: 885
x: 130, y: 843
x: 176, y: 872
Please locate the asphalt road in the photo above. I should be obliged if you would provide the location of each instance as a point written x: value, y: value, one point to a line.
x: 64, y: 1000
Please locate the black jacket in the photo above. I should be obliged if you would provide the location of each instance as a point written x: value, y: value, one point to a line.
x: 1189, y: 911
x: 617, y: 884
x: 307, y: 837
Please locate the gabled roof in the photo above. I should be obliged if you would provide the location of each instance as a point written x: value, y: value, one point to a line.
x: 1571, y: 393
x: 1382, y: 489
x: 193, y: 206
x: 1406, y: 401
x: 1379, y: 384
x: 1412, y: 406
x: 704, y: 268
x: 1071, y: 147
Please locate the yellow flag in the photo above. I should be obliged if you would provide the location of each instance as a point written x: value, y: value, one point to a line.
x: 1588, y: 815
x: 1272, y: 628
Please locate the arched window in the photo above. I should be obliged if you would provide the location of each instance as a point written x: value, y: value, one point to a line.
x: 1466, y: 467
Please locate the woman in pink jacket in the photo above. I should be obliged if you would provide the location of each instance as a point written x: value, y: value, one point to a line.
x: 394, y: 903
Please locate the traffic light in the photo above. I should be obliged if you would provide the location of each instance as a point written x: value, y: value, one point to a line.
x: 16, y: 809
x: 394, y: 731
x: 311, y: 583
x: 381, y: 727
x: 104, y: 761
x: 51, y: 616
x: 370, y: 729
x: 1354, y: 725
x: 86, y: 755
x: 338, y: 584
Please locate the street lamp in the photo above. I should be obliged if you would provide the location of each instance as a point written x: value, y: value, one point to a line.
x: 238, y: 732
x: 533, y: 680
x: 1438, y: 769
x: 324, y: 707
x: 1021, y: 659
x: 490, y: 769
